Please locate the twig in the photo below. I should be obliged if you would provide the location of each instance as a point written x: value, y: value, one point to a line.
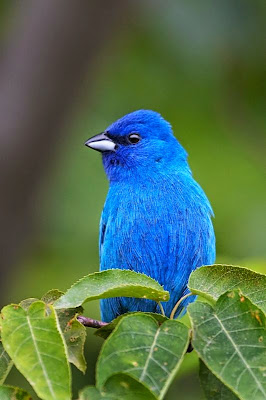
x: 177, y: 305
x: 161, y: 308
x: 91, y: 323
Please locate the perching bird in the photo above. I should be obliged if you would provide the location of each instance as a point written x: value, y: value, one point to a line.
x: 156, y: 219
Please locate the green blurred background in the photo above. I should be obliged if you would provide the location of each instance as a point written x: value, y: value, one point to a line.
x: 201, y: 65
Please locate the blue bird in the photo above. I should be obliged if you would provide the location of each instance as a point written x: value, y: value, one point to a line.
x: 156, y: 218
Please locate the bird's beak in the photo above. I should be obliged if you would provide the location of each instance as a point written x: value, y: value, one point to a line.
x: 100, y: 143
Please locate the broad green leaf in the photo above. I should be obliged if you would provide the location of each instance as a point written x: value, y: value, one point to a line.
x: 212, y: 387
x: 92, y: 393
x: 148, y: 352
x: 28, y: 302
x: 214, y: 280
x: 112, y: 283
x: 13, y: 393
x: 75, y: 335
x: 106, y: 330
x: 118, y: 387
x: 74, y: 332
x: 33, y: 341
x: 230, y: 338
x: 5, y: 364
x: 51, y: 296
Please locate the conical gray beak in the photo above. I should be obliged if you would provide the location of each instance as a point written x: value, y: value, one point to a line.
x: 101, y: 143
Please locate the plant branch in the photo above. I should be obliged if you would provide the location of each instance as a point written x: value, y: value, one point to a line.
x: 91, y: 323
x: 161, y: 308
x: 177, y: 305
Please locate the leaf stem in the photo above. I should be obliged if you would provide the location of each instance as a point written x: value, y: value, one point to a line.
x: 161, y: 308
x: 91, y: 323
x: 177, y: 305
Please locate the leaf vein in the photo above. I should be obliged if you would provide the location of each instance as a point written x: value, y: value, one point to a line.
x: 40, y: 358
x: 210, y: 341
x: 161, y: 366
x: 241, y: 356
x: 124, y: 351
x: 149, y: 355
x: 167, y: 350
x: 235, y: 316
x: 20, y: 345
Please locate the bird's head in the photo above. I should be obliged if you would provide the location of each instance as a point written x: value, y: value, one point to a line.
x: 140, y: 141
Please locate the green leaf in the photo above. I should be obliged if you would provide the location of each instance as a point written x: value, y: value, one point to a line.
x: 75, y: 336
x: 33, y: 341
x: 92, y: 393
x: 13, y: 393
x: 74, y: 332
x: 112, y: 283
x: 118, y: 387
x: 149, y: 353
x: 5, y: 364
x: 51, y: 296
x: 214, y: 280
x: 213, y: 388
x: 230, y: 338
x: 27, y: 302
x: 106, y: 330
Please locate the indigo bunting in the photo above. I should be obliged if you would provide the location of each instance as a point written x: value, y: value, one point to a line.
x: 156, y: 218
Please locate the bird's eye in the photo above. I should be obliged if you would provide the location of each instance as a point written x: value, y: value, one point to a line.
x: 134, y: 138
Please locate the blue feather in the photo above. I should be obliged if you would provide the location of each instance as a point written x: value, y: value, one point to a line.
x: 156, y: 218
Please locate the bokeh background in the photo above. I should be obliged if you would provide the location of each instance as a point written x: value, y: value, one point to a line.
x: 202, y: 65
